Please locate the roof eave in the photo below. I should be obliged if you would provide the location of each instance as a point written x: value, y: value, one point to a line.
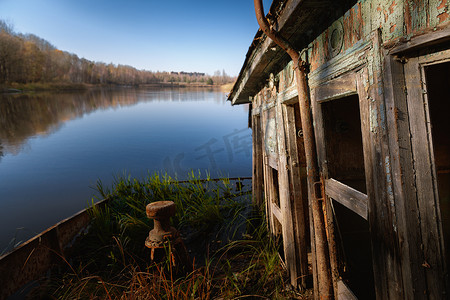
x: 295, y: 19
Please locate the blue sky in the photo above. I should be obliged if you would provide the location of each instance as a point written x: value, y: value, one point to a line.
x: 173, y: 35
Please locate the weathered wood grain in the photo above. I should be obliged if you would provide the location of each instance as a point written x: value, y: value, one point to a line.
x: 408, y: 228
x: 344, y: 292
x: 424, y: 40
x: 323, y: 166
x: 337, y: 88
x: 381, y: 213
x: 285, y: 201
x: 347, y: 196
x: 33, y: 258
x: 296, y: 189
x: 257, y: 162
x: 427, y: 198
x: 276, y: 212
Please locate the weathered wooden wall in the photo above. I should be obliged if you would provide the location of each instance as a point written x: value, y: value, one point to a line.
x: 397, y: 20
x: 366, y: 53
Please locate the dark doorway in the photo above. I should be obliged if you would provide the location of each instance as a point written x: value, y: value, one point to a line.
x: 343, y: 139
x: 345, y: 163
x: 437, y: 86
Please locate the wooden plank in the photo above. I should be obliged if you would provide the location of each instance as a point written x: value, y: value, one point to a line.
x: 323, y: 165
x: 288, y: 96
x: 441, y: 258
x: 320, y: 145
x: 353, y: 59
x: 269, y: 180
x: 344, y: 292
x: 297, y: 200
x: 33, y: 258
x: 254, y: 161
x: 375, y: 209
x: 426, y: 193
x: 424, y: 40
x: 270, y: 138
x: 273, y: 162
x: 403, y: 179
x: 342, y: 86
x: 258, y: 177
x: 276, y: 211
x: 267, y: 175
x: 347, y: 196
x: 285, y: 203
x: 381, y: 205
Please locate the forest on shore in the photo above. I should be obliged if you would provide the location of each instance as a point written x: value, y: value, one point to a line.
x: 27, y: 59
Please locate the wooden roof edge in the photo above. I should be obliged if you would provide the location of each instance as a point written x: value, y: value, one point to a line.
x: 264, y: 56
x: 281, y: 11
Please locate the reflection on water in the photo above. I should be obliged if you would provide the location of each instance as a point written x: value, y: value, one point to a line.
x: 26, y: 115
x: 53, y: 147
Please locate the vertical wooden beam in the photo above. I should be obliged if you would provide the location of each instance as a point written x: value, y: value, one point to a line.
x: 258, y: 179
x: 268, y: 177
x: 414, y: 282
x: 381, y: 209
x: 285, y: 203
x: 327, y: 208
x: 427, y: 198
x: 297, y: 201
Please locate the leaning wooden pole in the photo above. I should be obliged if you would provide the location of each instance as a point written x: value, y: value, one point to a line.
x: 323, y: 284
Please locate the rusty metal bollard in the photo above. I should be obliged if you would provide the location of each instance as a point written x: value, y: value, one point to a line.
x: 163, y: 235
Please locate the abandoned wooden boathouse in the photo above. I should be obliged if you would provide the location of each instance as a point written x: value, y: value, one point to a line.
x: 367, y: 105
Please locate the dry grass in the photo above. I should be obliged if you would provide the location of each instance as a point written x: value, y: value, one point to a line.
x: 226, y: 88
x: 111, y: 261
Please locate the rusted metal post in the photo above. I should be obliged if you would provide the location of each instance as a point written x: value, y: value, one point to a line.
x: 324, y: 282
x: 164, y: 235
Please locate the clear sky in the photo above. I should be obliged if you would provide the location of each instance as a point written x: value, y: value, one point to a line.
x: 171, y: 35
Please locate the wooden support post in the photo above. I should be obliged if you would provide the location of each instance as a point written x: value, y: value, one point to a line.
x: 382, y: 216
x: 258, y: 179
x: 285, y: 202
x: 426, y: 188
x: 316, y: 94
x: 268, y: 177
x: 296, y: 193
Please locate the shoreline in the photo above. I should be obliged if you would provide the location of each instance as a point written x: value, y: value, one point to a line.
x: 61, y: 86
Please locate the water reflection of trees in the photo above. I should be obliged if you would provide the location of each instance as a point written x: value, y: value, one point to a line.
x: 26, y: 115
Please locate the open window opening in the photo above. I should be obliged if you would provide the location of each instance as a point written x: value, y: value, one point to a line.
x: 345, y: 163
x: 437, y: 83
x: 343, y: 138
x: 276, y: 187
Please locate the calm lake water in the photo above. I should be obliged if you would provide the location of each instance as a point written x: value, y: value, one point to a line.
x: 54, y: 147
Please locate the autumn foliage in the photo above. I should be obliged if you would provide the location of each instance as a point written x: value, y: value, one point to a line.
x: 27, y: 58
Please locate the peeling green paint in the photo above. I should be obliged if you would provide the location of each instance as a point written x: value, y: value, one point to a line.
x: 395, y: 19
x: 373, y: 116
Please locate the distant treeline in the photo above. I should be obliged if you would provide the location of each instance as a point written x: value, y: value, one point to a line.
x: 27, y: 58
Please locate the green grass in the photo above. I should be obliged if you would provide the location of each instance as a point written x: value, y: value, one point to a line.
x: 233, y: 257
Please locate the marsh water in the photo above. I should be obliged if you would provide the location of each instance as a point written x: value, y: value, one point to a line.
x: 54, y: 147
